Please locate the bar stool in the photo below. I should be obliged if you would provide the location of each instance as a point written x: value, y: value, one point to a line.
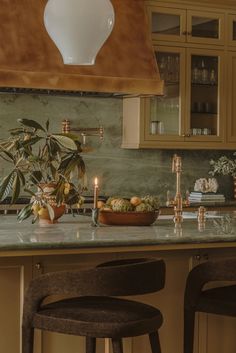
x: 93, y: 310
x: 220, y: 300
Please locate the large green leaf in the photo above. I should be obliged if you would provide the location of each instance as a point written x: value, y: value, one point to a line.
x: 31, y: 123
x: 16, y: 131
x: 65, y: 141
x: 70, y: 163
x: 36, y: 176
x: 54, y: 147
x: 6, y: 185
x: 15, y: 188
x: 25, y: 212
x: 31, y: 141
x: 21, y: 176
x: 8, y: 154
x: 47, y: 124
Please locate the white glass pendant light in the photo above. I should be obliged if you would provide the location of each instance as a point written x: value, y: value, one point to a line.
x: 79, y: 28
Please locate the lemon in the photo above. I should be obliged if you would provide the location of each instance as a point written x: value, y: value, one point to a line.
x: 35, y: 208
x: 43, y: 212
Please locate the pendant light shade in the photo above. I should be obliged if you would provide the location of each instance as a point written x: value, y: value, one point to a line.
x: 79, y: 28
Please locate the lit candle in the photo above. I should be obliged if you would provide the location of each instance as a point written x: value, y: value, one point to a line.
x: 95, y: 200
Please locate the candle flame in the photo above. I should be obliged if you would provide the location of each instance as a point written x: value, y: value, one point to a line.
x: 96, y: 181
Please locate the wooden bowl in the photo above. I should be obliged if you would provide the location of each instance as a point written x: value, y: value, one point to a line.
x: 128, y: 218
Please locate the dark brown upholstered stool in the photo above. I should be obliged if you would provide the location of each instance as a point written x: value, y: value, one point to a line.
x: 220, y: 300
x: 94, y: 311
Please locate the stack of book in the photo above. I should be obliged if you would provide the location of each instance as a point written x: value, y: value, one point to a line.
x: 210, y: 197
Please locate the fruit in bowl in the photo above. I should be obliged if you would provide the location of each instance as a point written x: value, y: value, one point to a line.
x: 135, y: 211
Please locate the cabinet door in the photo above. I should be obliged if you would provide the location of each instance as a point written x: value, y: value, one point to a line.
x: 217, y: 332
x: 231, y: 113
x: 205, y: 27
x: 231, y: 30
x: 164, y: 114
x: 167, y: 24
x: 15, y: 275
x: 205, y: 95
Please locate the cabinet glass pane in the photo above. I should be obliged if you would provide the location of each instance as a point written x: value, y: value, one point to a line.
x: 205, y: 27
x: 165, y: 111
x: 164, y: 23
x: 204, y: 95
x: 234, y: 30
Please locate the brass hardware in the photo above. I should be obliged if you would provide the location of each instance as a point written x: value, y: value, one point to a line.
x: 197, y: 257
x: 84, y: 132
x: 201, y: 214
x: 38, y: 266
x: 201, y: 217
x: 186, y: 135
x: 178, y: 201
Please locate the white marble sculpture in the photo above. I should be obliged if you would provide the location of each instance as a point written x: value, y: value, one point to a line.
x: 206, y: 185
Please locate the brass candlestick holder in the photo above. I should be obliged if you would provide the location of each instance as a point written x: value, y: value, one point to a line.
x: 178, y: 201
x: 95, y: 215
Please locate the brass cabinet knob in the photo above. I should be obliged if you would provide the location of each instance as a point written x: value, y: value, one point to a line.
x: 38, y: 266
x: 186, y: 135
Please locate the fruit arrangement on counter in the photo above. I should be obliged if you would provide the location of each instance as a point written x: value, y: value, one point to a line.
x: 134, y: 211
x: 137, y: 204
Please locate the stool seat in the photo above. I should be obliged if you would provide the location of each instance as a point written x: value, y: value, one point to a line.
x: 98, y: 317
x: 220, y: 300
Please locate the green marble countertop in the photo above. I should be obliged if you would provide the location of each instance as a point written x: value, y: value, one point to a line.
x: 78, y: 234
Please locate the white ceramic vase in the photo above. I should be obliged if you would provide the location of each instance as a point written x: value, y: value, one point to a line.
x: 79, y: 28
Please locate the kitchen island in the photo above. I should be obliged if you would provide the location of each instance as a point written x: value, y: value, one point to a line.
x: 26, y: 250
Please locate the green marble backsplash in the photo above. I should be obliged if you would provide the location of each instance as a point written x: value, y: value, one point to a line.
x: 120, y: 171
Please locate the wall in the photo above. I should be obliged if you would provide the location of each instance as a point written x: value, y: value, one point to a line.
x: 120, y: 171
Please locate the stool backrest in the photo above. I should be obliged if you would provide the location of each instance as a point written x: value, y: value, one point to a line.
x: 115, y: 278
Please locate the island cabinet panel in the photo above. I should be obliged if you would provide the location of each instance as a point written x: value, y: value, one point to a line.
x: 216, y: 332
x: 14, y: 277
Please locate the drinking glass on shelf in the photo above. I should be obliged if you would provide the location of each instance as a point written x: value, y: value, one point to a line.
x: 204, y: 73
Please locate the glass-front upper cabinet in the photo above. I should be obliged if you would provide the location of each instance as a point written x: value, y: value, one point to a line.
x: 171, y: 24
x: 166, y: 112
x: 167, y: 23
x: 205, y: 27
x: 204, y: 95
x: 232, y: 29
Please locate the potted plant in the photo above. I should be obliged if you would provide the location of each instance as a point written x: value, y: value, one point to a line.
x: 224, y: 166
x: 43, y: 165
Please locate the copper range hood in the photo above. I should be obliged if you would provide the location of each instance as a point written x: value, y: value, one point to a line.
x: 29, y: 59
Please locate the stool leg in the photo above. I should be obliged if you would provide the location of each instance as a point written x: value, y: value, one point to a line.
x: 27, y: 340
x: 117, y: 346
x: 154, y: 342
x: 90, y: 345
x: 189, y: 321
